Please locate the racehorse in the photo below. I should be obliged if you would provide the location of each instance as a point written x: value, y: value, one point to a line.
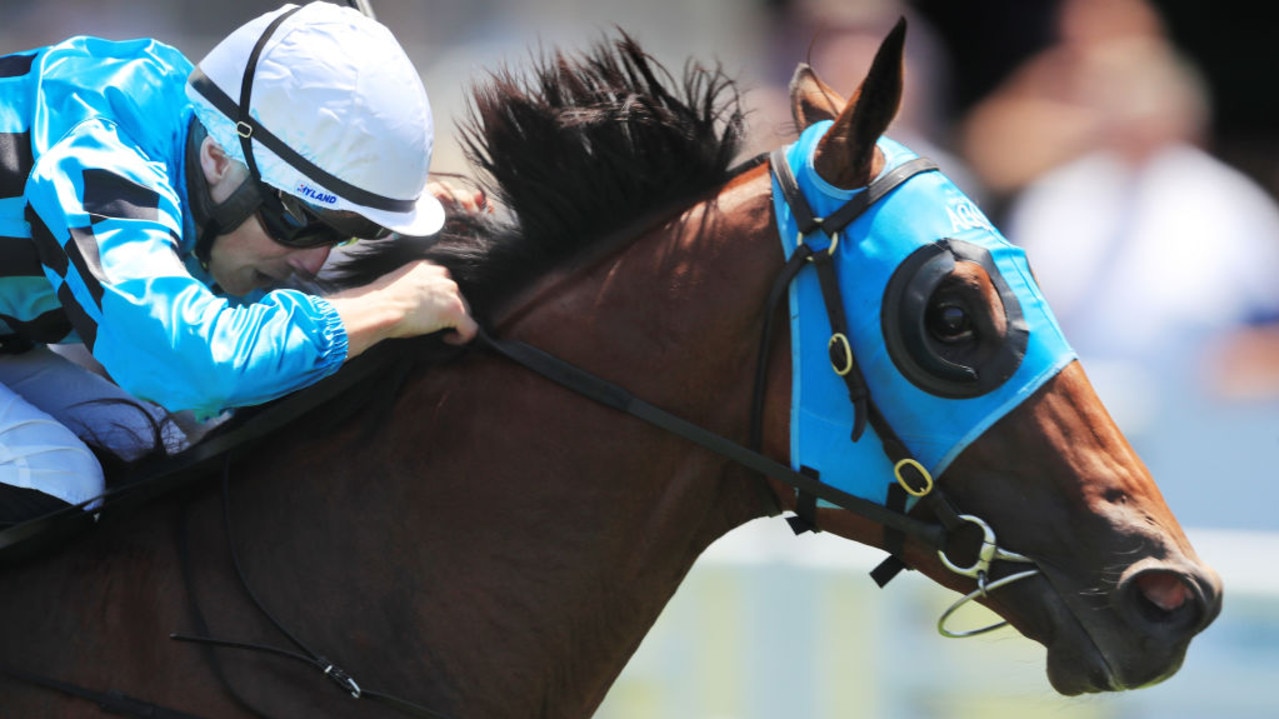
x: 460, y: 536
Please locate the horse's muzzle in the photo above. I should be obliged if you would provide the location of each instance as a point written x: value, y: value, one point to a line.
x: 1169, y: 603
x: 1157, y: 607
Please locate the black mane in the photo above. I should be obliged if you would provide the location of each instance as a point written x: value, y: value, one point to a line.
x: 580, y: 147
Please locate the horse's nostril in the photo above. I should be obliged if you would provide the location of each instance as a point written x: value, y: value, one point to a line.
x: 1163, y: 597
x: 1165, y: 590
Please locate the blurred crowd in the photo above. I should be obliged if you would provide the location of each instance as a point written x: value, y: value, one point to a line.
x: 1092, y: 148
x: 1094, y: 151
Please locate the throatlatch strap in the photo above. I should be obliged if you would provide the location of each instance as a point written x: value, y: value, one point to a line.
x: 797, y: 261
x: 805, y: 519
x: 887, y: 570
x: 894, y: 541
x: 755, y: 441
x: 805, y: 220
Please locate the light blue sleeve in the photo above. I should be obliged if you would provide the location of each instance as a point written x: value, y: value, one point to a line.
x: 106, y: 220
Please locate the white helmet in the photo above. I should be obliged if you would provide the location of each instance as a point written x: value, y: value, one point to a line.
x: 322, y: 103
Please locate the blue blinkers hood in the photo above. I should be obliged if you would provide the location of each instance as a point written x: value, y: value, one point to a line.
x: 888, y: 261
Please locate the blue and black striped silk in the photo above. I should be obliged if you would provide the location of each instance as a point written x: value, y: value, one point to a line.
x: 96, y: 244
x: 18, y: 256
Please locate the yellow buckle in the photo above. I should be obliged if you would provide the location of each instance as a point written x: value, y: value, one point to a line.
x: 928, y: 478
x: 839, y: 339
x: 830, y: 250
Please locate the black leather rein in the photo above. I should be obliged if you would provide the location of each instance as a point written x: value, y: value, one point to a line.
x: 896, y: 522
x: 612, y: 395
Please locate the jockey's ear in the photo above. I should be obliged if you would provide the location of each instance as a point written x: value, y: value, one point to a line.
x: 218, y: 167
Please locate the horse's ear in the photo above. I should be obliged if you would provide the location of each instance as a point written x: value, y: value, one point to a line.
x: 846, y: 155
x: 812, y: 100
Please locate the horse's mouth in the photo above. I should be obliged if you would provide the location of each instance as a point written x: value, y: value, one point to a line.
x: 1075, y: 664
x: 1081, y: 668
x: 1091, y: 646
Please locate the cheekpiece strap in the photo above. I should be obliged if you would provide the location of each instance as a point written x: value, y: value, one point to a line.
x: 843, y: 359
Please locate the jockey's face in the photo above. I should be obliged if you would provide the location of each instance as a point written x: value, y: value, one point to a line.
x: 246, y: 258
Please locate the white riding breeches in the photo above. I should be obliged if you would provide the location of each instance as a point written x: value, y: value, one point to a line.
x: 50, y: 405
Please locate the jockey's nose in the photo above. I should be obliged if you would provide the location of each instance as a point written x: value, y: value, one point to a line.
x: 308, y: 261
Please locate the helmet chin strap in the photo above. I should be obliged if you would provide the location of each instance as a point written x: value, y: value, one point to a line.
x: 214, y: 218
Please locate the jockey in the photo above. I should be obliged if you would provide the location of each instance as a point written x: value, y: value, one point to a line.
x: 153, y: 211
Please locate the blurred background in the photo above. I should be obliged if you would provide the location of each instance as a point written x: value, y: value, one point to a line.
x: 1131, y: 145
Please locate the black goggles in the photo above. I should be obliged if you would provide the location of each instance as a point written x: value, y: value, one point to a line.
x: 293, y: 223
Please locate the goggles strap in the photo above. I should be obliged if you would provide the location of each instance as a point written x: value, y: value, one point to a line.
x: 244, y: 124
x: 250, y: 195
x: 248, y: 128
x: 213, y: 219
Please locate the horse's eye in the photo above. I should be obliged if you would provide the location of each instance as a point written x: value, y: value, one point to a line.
x: 948, y: 323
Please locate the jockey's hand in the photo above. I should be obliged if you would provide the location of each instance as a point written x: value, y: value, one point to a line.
x: 417, y: 299
x: 454, y: 197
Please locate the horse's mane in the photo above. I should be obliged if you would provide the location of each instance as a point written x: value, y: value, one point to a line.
x: 576, y: 149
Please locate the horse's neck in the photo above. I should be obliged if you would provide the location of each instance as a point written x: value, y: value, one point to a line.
x: 523, y: 563
x: 560, y: 527
x: 501, y: 545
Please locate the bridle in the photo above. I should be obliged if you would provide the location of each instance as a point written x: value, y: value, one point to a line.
x: 911, y: 476
x: 913, y: 480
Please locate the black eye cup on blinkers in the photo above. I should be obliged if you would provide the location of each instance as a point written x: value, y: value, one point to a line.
x: 925, y: 361
x: 294, y: 223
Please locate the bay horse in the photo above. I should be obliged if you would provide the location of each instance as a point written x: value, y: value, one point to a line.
x: 458, y: 536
